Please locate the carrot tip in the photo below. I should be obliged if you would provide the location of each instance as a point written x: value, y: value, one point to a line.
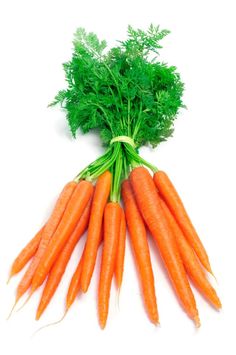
x: 50, y: 324
x: 26, y: 301
x: 9, y: 278
x: 197, y: 322
x: 12, y: 309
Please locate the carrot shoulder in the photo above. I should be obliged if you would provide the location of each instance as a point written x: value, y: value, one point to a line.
x: 150, y: 207
x: 173, y: 201
x: 138, y: 237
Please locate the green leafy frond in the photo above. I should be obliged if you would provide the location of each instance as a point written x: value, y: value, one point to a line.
x: 123, y: 91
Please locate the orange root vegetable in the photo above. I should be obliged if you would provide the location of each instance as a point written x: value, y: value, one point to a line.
x: 190, y: 260
x: 60, y: 265
x: 173, y: 201
x: 119, y: 265
x: 138, y: 236
x: 46, y: 236
x: 112, y: 219
x: 101, y: 194
x: 26, y: 254
x: 150, y: 207
x: 73, y: 212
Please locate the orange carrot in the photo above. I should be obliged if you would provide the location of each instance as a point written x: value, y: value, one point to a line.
x: 173, y: 201
x: 112, y: 219
x: 119, y: 265
x: 71, y: 216
x: 26, y: 254
x: 59, y: 266
x: 138, y: 236
x: 101, y: 194
x: 74, y: 286
x: 190, y: 260
x: 47, y: 233
x: 150, y: 207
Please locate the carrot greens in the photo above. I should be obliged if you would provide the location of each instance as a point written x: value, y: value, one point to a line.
x: 121, y: 91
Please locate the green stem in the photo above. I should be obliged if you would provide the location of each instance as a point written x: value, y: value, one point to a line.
x: 117, y: 173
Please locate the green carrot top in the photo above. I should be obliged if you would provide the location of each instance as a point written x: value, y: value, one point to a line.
x: 124, y: 90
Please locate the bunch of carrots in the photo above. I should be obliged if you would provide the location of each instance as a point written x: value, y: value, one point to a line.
x: 120, y: 188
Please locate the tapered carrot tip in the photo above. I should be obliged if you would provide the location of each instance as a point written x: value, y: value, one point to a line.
x: 26, y: 301
x: 12, y: 309
x: 38, y: 314
x: 102, y: 324
x: 197, y: 322
x: 9, y: 278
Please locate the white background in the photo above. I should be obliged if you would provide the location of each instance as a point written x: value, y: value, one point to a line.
x: 38, y: 156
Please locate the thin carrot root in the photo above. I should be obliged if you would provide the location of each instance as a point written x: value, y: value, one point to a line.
x: 12, y: 309
x: 9, y: 278
x: 26, y: 301
x: 51, y: 324
x: 118, y: 298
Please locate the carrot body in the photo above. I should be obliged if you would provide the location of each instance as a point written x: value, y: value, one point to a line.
x: 46, y: 236
x: 60, y: 265
x: 26, y: 253
x: 119, y: 265
x: 101, y: 194
x: 112, y: 219
x: 74, y: 286
x: 173, y: 201
x: 138, y: 236
x: 190, y: 260
x: 150, y: 207
x: 71, y: 216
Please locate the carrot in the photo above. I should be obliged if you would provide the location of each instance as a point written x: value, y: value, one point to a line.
x: 59, y: 267
x: 74, y: 286
x: 150, y: 207
x: 112, y: 219
x: 71, y: 216
x: 47, y: 233
x: 119, y: 265
x: 101, y: 194
x: 173, y: 201
x: 26, y: 254
x: 190, y: 260
x: 138, y: 236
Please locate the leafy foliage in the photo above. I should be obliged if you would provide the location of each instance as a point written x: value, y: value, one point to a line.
x: 121, y: 91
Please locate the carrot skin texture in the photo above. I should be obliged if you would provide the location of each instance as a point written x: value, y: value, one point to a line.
x: 138, y: 237
x: 60, y: 265
x: 190, y: 260
x: 71, y: 216
x: 149, y: 205
x: 101, y: 194
x: 26, y: 254
x: 46, y: 236
x: 173, y: 201
x: 112, y: 218
x: 119, y: 265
